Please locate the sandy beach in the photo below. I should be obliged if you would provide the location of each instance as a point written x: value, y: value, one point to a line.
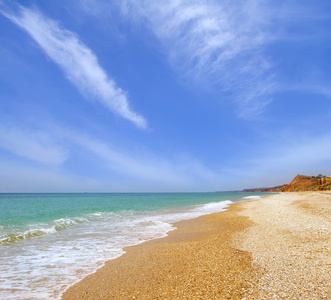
x: 277, y: 247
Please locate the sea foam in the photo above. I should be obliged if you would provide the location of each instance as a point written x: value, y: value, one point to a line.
x: 252, y: 197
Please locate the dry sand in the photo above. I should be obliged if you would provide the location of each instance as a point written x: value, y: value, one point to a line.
x: 291, y: 243
x: 278, y: 247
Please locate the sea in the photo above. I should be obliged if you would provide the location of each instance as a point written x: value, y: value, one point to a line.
x: 49, y: 242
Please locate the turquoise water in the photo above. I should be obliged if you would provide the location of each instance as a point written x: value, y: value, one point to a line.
x: 50, y: 241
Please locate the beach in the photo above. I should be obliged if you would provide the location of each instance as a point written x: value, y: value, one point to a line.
x: 277, y: 247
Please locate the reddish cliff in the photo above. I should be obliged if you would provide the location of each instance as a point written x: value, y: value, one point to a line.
x: 302, y: 183
x: 298, y: 184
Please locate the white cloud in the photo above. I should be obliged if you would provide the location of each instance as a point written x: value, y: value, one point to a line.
x: 121, y: 171
x: 34, y: 145
x: 144, y: 167
x: 77, y: 61
x: 216, y: 42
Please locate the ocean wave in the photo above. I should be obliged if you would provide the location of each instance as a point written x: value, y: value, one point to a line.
x: 213, y: 206
x: 156, y: 223
x: 11, y: 235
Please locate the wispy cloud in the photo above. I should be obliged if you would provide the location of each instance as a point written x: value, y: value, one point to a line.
x: 142, y: 166
x: 77, y: 61
x: 216, y: 43
x: 34, y: 145
x: 54, y: 146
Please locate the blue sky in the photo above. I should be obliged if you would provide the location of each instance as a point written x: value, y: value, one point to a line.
x: 163, y: 96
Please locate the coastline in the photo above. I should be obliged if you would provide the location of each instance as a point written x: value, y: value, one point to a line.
x: 234, y: 254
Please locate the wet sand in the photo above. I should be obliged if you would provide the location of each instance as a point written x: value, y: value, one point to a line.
x: 277, y: 247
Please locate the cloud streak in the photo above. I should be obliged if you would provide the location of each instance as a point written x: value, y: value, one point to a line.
x: 77, y: 61
x: 56, y: 149
x: 215, y: 43
x: 144, y: 167
x: 34, y: 145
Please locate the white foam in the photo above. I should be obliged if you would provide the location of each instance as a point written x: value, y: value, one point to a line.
x: 252, y: 197
x: 213, y: 207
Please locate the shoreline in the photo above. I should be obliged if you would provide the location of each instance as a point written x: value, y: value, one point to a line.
x: 211, y: 257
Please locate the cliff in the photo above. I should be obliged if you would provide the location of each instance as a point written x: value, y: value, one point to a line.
x: 298, y: 184
x: 308, y: 183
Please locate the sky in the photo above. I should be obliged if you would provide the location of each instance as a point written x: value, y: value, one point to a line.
x: 163, y: 96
